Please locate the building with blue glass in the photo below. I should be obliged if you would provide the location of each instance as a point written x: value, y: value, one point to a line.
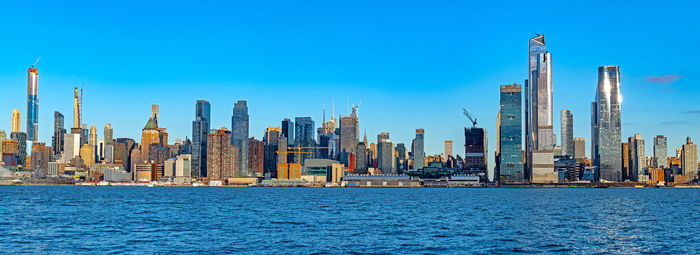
x: 510, y: 135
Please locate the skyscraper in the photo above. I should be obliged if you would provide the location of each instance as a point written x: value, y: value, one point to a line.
x: 59, y: 132
x: 349, y: 125
x: 361, y: 158
x: 660, y: 152
x: 625, y: 157
x: 21, y: 139
x: 33, y: 104
x: 256, y: 157
x: 475, y: 151
x: 239, y: 136
x: 288, y: 131
x: 605, y: 124
x: 567, y: 133
x: 510, y: 135
x: 16, y: 122
x: 419, y: 149
x: 304, y: 135
x: 271, y: 141
x: 385, y: 154
x: 200, y: 131
x: 579, y: 148
x: 448, y: 149
x: 689, y: 160
x: 108, y: 143
x: 155, y: 114
x: 636, y: 156
x: 538, y: 113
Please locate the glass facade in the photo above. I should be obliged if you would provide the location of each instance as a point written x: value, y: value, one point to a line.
x: 33, y: 104
x: 660, y: 152
x: 538, y: 112
x: 239, y: 136
x: 510, y: 135
x: 304, y: 135
x: 200, y: 129
x: 606, y: 128
x: 567, y: 133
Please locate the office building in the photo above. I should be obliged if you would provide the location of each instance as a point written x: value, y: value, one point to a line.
x: 385, y: 154
x: 33, y: 104
x: 239, y: 137
x: 155, y: 114
x: 475, y: 148
x: 87, y: 154
x: 108, y: 152
x: 510, y: 164
x: 625, y: 159
x: 21, y: 139
x: 200, y: 131
x: 448, y: 148
x: 689, y: 160
x: 637, y: 165
x: 419, y: 149
x: 271, y: 141
x: 539, y: 132
x: 59, y: 132
x: 149, y: 135
x: 579, y: 148
x: 660, y: 152
x: 304, y: 135
x: 349, y: 135
x: 401, y: 158
x: 567, y: 133
x: 41, y: 156
x: 288, y: 131
x: 606, y: 126
x: 360, y: 158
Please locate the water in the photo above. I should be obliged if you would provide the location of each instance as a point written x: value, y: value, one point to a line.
x: 348, y: 220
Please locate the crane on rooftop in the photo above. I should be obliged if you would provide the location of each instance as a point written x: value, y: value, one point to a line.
x: 472, y: 119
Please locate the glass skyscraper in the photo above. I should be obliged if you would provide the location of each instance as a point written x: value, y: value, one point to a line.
x: 510, y: 135
x: 239, y: 136
x: 660, y: 152
x: 567, y: 133
x: 538, y: 113
x: 58, y: 133
x: 418, y: 149
x: 304, y: 135
x: 33, y: 104
x: 200, y: 129
x: 605, y: 126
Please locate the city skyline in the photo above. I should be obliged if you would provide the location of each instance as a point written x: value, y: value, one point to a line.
x: 575, y: 79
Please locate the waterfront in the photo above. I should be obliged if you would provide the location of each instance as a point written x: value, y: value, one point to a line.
x: 333, y: 220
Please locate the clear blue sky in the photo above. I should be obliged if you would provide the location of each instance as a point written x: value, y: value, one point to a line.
x: 414, y: 63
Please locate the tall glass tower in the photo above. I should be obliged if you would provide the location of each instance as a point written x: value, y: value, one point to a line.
x: 567, y: 133
x: 510, y: 135
x: 538, y: 113
x: 200, y: 129
x: 33, y: 104
x: 605, y: 126
x: 239, y: 136
x: 660, y: 152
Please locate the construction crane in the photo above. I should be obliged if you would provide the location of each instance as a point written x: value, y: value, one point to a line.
x: 292, y: 170
x: 473, y: 120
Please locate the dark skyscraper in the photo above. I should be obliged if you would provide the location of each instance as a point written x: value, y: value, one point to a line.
x: 239, y: 136
x: 200, y: 130
x: 304, y: 135
x: 511, y: 159
x: 606, y: 128
x: 33, y: 104
x: 475, y: 151
x: 58, y: 133
x: 288, y: 131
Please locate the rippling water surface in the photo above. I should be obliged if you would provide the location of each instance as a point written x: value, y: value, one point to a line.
x: 348, y: 220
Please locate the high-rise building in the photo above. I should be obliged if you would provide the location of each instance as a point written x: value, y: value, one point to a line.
x: 256, y: 158
x: 21, y: 139
x: 660, y: 152
x: 93, y: 141
x: 33, y: 104
x: 16, y: 122
x: 108, y: 144
x: 3, y: 137
x: 475, y: 148
x: 349, y: 136
x: 59, y: 132
x: 448, y: 148
x: 76, y: 109
x: 625, y: 157
x: 579, y: 148
x: 84, y: 134
x: 539, y: 132
x: 71, y: 146
x: 221, y: 156
x: 510, y: 135
x: 200, y: 131
x: 567, y: 133
x: 304, y: 135
x: 419, y: 149
x: 636, y: 157
x: 606, y: 126
x: 689, y: 160
x: 149, y: 135
x: 401, y: 158
x: 87, y: 154
x: 271, y: 141
x: 239, y: 136
x: 360, y: 158
x: 385, y: 154
x: 41, y: 156
x: 288, y: 131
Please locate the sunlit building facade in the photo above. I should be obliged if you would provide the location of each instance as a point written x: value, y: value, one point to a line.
x: 606, y: 126
x: 510, y: 135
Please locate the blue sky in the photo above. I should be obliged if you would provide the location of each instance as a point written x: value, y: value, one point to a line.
x: 414, y: 64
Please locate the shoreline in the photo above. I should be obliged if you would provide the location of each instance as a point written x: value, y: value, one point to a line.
x: 525, y: 186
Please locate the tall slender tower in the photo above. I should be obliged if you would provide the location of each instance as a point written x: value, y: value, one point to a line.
x: 567, y: 133
x: 239, y: 136
x: 33, y: 104
x: 605, y: 125
x: 538, y: 113
x: 200, y: 131
x: 76, y: 110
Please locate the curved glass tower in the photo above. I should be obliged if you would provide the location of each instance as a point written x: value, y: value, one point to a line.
x: 606, y: 128
x: 33, y: 104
